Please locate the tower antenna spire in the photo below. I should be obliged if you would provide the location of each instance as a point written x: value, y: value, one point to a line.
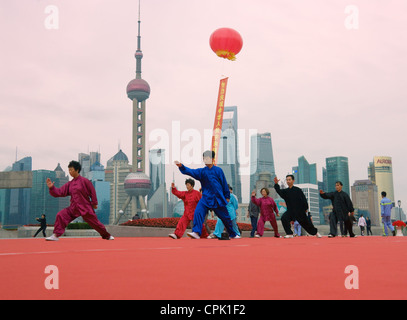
x: 139, y: 54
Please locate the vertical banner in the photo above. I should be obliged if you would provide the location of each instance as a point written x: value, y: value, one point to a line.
x: 217, y: 127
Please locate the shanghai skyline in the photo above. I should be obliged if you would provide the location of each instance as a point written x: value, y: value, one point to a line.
x: 320, y: 89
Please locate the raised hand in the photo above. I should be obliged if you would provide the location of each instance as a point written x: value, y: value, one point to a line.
x: 50, y: 184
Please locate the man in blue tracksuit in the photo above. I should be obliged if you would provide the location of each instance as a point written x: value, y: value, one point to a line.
x: 385, y: 206
x: 215, y: 194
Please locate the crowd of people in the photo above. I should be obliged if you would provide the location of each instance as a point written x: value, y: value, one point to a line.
x: 217, y: 197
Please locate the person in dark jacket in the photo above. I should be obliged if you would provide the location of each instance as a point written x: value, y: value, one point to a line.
x: 342, y: 209
x: 253, y: 213
x: 43, y: 227
x: 297, y: 207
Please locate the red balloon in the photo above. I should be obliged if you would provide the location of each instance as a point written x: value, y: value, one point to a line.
x: 226, y: 43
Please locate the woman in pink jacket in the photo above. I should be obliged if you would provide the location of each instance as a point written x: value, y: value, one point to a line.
x: 267, y: 209
x: 83, y: 203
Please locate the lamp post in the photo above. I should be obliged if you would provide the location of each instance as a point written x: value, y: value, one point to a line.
x: 399, y: 203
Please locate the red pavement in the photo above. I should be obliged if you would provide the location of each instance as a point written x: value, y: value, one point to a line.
x: 186, y: 269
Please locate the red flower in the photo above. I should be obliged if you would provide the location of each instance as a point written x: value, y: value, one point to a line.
x: 172, y: 223
x: 399, y: 223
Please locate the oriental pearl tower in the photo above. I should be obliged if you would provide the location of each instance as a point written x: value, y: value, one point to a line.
x: 137, y: 184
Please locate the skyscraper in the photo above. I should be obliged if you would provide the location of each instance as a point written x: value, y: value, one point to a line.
x: 228, y: 158
x: 41, y: 201
x: 157, y: 169
x: 364, y: 199
x: 261, y: 157
x: 305, y: 172
x: 97, y: 176
x: 158, y: 196
x: 311, y: 192
x: 337, y: 169
x: 117, y: 170
x: 380, y: 172
x: 17, y: 201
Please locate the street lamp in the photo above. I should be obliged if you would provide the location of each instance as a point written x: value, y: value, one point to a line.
x: 399, y: 203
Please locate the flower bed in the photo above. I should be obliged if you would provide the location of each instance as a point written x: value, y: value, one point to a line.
x: 172, y: 223
x: 399, y: 223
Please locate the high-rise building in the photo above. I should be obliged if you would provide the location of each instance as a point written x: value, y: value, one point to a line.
x: 380, y: 172
x: 17, y: 201
x: 311, y: 192
x: 364, y: 199
x: 305, y: 172
x: 117, y: 169
x: 337, y: 169
x: 87, y: 160
x: 41, y: 201
x: 158, y: 196
x: 61, y: 179
x: 228, y: 157
x: 97, y: 176
x: 261, y: 157
x: 157, y: 169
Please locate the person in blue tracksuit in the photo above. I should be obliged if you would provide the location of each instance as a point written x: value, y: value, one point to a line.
x: 215, y: 194
x: 385, y: 206
x: 232, y: 207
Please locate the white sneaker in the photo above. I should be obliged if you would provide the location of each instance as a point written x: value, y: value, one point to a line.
x: 193, y: 235
x: 52, y: 238
x: 110, y: 238
x: 237, y: 237
x: 172, y: 235
x: 212, y: 236
x: 257, y: 236
x: 318, y: 235
x: 287, y: 236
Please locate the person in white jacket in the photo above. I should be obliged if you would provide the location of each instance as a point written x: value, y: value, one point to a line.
x: 362, y: 224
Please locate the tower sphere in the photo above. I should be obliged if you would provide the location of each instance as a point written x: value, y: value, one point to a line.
x: 137, y: 184
x: 138, y: 89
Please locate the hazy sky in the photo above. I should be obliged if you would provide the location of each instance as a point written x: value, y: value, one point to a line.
x: 320, y: 88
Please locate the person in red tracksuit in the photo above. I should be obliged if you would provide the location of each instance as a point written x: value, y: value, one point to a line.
x: 191, y: 198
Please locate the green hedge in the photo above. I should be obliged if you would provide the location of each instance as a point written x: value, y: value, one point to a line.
x: 79, y: 225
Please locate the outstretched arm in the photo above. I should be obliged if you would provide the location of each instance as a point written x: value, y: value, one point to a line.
x: 326, y: 195
x: 57, y: 192
x: 278, y: 189
x: 194, y: 173
x: 175, y: 192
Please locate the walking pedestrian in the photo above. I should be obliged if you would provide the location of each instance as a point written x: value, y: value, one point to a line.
x: 253, y: 212
x: 362, y: 224
x: 385, y: 207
